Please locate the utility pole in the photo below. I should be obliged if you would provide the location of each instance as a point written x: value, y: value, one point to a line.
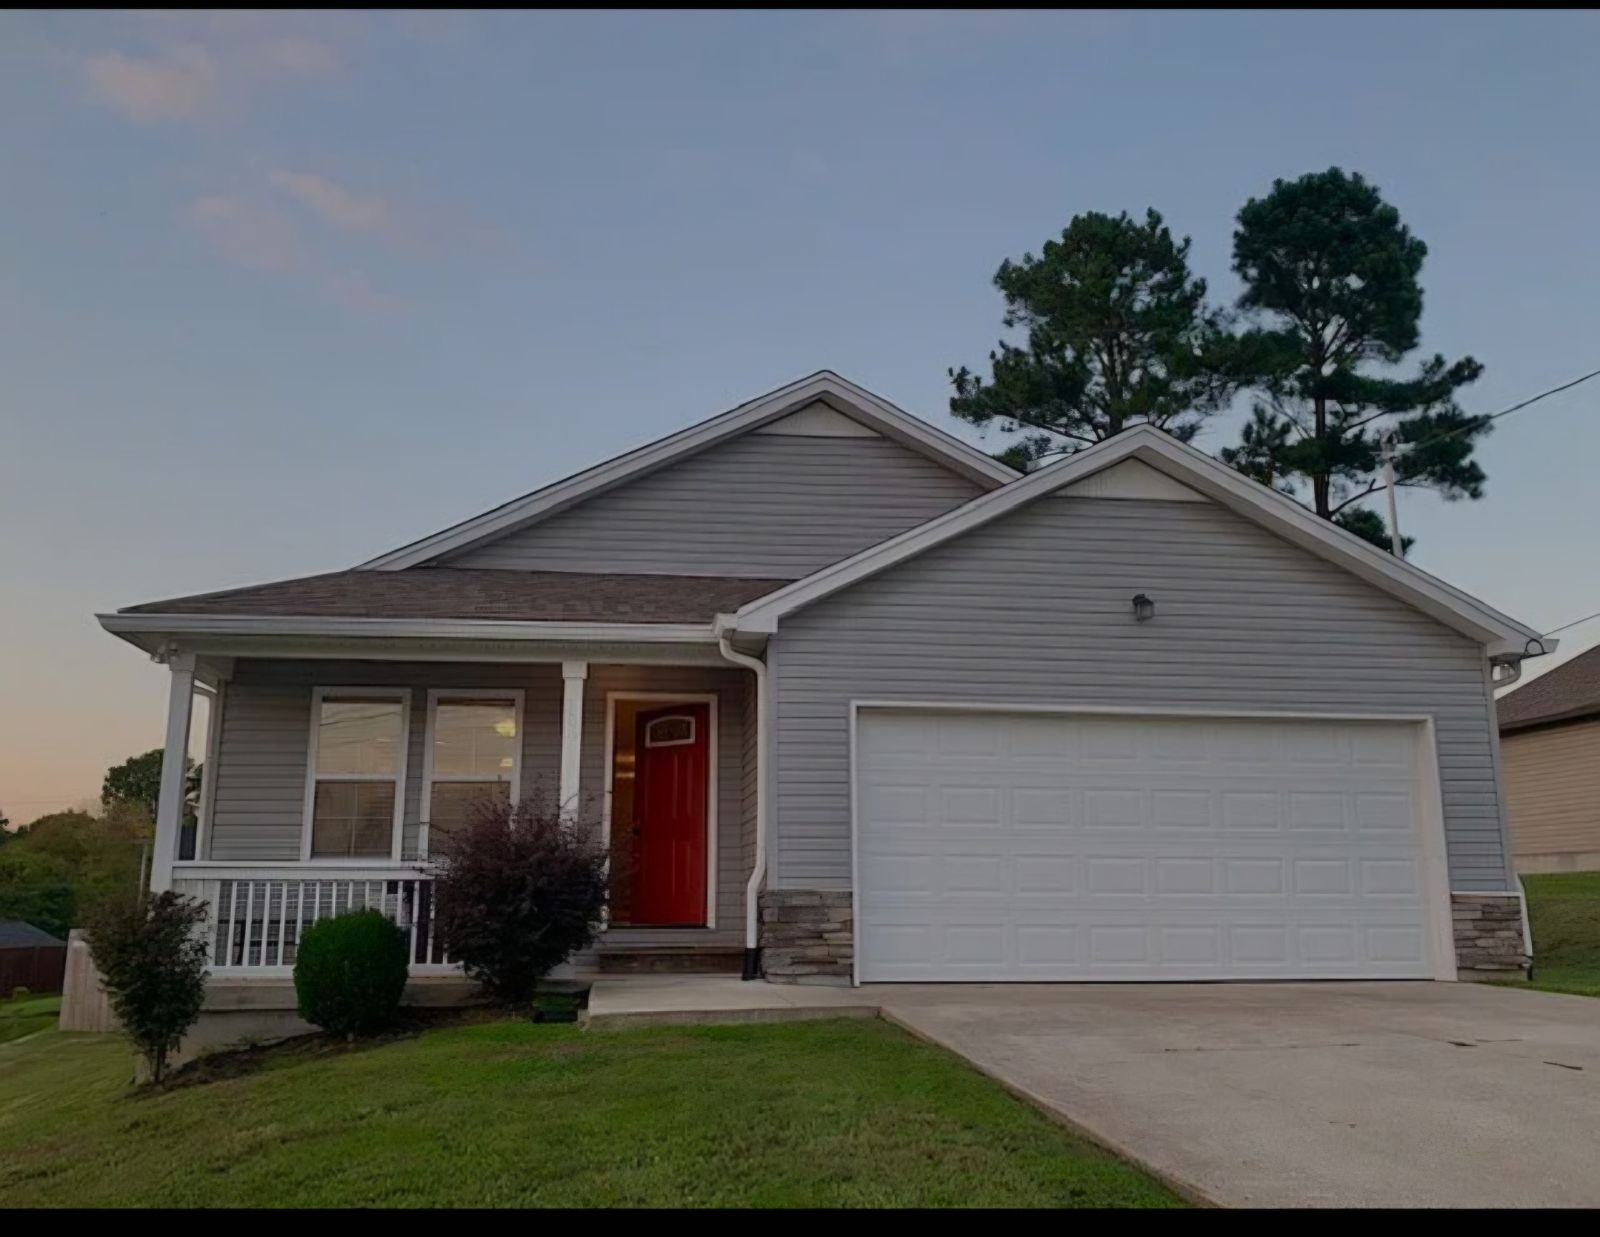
x: 1386, y: 441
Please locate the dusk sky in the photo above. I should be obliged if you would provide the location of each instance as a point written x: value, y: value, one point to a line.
x: 279, y: 292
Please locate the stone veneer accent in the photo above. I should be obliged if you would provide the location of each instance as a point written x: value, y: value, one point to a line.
x: 807, y: 936
x: 1488, y: 931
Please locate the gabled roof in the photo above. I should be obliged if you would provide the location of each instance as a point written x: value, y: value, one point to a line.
x: 19, y: 934
x: 1276, y: 512
x: 1570, y: 692
x: 855, y: 402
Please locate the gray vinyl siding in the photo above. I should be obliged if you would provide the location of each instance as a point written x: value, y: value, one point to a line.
x: 261, y: 760
x: 732, y: 868
x: 761, y: 505
x: 1035, y: 608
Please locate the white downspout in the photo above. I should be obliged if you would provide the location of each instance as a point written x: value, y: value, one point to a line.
x: 758, y: 872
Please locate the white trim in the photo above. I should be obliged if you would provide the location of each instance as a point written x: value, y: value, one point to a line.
x: 517, y: 698
x: 713, y: 779
x: 1435, y: 874
x: 208, y: 772
x: 174, y: 772
x: 857, y: 402
x: 368, y: 692
x: 402, y: 628
x: 1182, y: 463
x: 574, y: 674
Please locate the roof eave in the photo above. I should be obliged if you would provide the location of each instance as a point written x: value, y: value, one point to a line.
x: 306, y: 635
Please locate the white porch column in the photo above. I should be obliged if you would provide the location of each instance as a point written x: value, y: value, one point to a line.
x: 169, y: 808
x: 573, y: 674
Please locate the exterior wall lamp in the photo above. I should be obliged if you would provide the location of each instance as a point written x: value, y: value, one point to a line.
x: 1143, y: 608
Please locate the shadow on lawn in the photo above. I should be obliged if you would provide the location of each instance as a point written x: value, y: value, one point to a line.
x: 412, y: 1021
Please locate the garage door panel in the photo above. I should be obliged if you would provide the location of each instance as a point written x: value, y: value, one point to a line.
x: 1215, y: 849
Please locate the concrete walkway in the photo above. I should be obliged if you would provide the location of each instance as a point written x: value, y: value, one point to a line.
x: 1302, y: 1095
x: 665, y: 1000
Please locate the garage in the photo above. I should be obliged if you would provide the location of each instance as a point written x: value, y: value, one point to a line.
x: 1001, y: 844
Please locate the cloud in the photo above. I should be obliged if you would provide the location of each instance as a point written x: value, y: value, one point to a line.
x: 355, y: 292
x: 246, y: 233
x: 180, y: 86
x: 298, y: 56
x: 260, y: 239
x: 335, y: 203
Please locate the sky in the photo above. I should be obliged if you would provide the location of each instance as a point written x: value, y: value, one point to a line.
x: 279, y: 292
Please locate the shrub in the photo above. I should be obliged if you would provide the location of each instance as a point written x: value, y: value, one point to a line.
x: 516, y: 891
x: 152, y: 954
x: 350, y: 972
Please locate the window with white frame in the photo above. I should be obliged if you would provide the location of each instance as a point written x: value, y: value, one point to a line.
x: 358, y: 768
x: 474, y: 756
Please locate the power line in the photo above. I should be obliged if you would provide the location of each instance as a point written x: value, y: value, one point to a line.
x: 1574, y: 623
x: 1504, y: 412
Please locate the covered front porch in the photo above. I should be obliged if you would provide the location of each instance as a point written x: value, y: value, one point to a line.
x: 334, y: 766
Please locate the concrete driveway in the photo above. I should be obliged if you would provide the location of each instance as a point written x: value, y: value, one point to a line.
x: 1302, y: 1095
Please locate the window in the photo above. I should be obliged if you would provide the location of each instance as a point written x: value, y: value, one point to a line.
x: 358, y: 769
x: 669, y: 732
x: 474, y: 754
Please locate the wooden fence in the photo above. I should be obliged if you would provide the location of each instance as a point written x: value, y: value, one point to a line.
x: 38, y: 968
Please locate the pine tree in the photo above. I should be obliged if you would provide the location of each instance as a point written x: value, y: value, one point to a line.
x: 1332, y: 293
x: 1118, y: 334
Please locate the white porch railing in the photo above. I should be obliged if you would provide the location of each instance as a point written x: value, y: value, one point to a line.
x: 259, y: 914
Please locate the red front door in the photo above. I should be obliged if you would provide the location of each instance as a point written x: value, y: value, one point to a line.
x: 669, y: 879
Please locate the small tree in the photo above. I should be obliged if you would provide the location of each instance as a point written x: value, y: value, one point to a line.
x: 517, y: 890
x: 152, y: 956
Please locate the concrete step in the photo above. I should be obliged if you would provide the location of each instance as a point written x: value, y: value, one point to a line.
x: 670, y: 960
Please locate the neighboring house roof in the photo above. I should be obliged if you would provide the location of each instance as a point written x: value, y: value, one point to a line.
x: 1198, y: 471
x: 19, y: 934
x: 479, y: 593
x: 1569, y: 692
x: 839, y: 393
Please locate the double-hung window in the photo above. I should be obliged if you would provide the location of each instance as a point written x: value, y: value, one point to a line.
x: 473, y: 756
x: 355, y: 797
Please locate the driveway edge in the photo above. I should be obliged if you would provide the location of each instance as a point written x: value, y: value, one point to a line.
x: 1187, y: 1190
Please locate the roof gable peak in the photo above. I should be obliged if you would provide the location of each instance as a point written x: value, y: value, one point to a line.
x: 839, y: 393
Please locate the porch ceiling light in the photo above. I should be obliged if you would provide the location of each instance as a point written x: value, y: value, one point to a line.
x: 1143, y: 608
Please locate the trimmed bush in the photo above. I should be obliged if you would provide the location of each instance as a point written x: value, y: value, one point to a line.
x: 517, y: 890
x: 152, y: 957
x: 350, y: 973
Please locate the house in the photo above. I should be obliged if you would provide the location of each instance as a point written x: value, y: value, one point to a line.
x: 30, y: 958
x: 1550, y: 760
x: 1131, y: 717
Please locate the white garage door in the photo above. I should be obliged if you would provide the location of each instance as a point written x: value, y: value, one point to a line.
x: 1030, y: 846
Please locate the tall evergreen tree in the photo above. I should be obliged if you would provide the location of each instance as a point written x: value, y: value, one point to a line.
x: 1333, y: 298
x: 1118, y: 334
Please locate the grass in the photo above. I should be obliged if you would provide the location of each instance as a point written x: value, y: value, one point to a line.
x: 1564, y: 913
x: 507, y: 1113
x: 23, y: 1015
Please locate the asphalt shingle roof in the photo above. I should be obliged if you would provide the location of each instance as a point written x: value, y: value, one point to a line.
x: 1568, y: 692
x: 19, y: 934
x: 480, y: 593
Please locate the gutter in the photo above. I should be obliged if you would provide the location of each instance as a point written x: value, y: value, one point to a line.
x: 758, y: 871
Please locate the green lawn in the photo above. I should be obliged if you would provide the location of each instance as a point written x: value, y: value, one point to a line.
x: 24, y: 1015
x: 838, y: 1113
x: 1564, y: 913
